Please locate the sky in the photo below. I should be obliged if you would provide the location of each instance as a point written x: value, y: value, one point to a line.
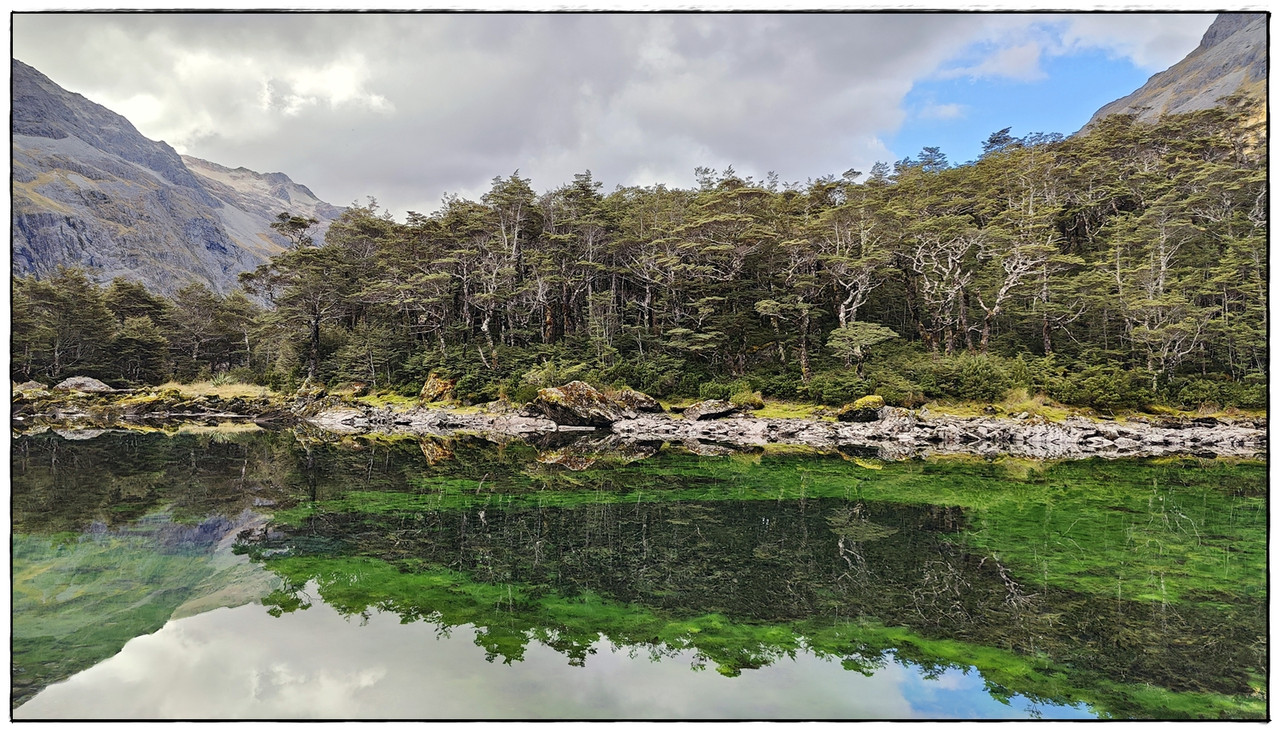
x: 409, y: 107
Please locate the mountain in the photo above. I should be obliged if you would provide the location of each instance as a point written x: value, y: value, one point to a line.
x: 89, y: 190
x: 1231, y: 57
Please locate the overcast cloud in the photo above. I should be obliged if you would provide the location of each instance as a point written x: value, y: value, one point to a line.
x: 409, y: 107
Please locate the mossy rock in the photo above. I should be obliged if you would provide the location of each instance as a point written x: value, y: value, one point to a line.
x: 748, y: 400
x: 575, y: 404
x: 636, y: 401
x: 866, y: 409
x: 30, y: 391
x: 436, y: 389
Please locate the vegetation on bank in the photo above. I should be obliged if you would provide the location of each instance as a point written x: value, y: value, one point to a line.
x: 1117, y: 270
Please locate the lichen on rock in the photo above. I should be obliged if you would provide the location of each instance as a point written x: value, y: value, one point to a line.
x: 576, y: 404
x: 83, y: 383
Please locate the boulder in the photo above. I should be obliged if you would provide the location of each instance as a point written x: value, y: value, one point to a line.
x: 636, y: 401
x: 83, y: 383
x: 436, y: 389
x: 30, y: 391
x: 576, y: 404
x: 709, y: 409
x: 866, y: 409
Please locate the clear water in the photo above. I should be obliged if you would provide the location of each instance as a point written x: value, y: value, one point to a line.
x: 233, y: 575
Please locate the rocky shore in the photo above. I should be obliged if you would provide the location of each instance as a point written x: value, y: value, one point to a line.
x: 625, y: 420
x: 896, y: 434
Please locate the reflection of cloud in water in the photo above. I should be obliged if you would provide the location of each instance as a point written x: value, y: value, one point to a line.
x: 242, y: 663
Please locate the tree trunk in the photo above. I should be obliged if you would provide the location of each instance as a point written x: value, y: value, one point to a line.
x: 805, y: 376
x: 313, y: 355
x: 964, y: 320
x: 777, y: 339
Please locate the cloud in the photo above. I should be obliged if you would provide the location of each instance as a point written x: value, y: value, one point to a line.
x: 1151, y: 41
x: 943, y: 111
x: 1019, y: 63
x: 409, y: 107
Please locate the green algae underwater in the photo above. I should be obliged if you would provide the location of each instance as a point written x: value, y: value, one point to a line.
x: 1132, y: 589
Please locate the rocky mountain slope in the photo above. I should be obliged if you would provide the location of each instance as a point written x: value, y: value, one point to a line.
x: 89, y: 190
x: 1231, y: 57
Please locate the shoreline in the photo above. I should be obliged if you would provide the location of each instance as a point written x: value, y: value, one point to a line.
x: 892, y: 433
x: 897, y: 434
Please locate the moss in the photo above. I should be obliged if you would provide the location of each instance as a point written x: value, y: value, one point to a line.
x: 775, y: 409
x: 870, y: 401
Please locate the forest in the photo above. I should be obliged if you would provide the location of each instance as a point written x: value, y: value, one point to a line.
x: 1115, y: 269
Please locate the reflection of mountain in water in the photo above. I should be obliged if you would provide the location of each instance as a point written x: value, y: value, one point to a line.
x: 116, y: 534
x: 1040, y: 575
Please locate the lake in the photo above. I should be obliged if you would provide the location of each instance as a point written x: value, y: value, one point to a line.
x: 235, y: 573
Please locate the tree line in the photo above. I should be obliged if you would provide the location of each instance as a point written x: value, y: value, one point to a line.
x: 1116, y: 268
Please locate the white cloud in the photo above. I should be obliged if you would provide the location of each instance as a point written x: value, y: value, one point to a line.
x: 943, y: 111
x: 1019, y: 63
x: 409, y: 107
x: 1152, y: 42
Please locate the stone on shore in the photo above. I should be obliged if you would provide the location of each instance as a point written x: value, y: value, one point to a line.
x: 575, y: 404
x: 866, y: 409
x: 636, y: 401
x: 83, y: 383
x: 709, y: 409
x: 436, y: 389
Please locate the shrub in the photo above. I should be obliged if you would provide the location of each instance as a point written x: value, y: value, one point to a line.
x: 244, y: 375
x: 967, y: 377
x: 1199, y: 392
x: 1209, y: 392
x: 781, y: 384
x: 1106, y: 388
x: 523, y: 393
x: 751, y: 399
x: 714, y: 390
x: 835, y: 388
x: 896, y: 389
x: 657, y: 375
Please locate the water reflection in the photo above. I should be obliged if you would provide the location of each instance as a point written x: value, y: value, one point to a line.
x: 1137, y: 587
x: 242, y: 663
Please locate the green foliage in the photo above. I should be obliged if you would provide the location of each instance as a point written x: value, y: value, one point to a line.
x: 966, y: 377
x: 140, y: 352
x: 838, y: 387
x: 1134, y: 247
x: 1106, y: 388
x: 747, y: 398
x: 714, y: 390
x: 895, y: 388
x: 850, y: 342
x: 1220, y: 392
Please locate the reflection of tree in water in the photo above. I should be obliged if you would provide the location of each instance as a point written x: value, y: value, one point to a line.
x: 772, y: 574
x: 118, y: 477
x: 791, y: 561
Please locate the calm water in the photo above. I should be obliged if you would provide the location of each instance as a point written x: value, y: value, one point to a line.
x: 215, y: 574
